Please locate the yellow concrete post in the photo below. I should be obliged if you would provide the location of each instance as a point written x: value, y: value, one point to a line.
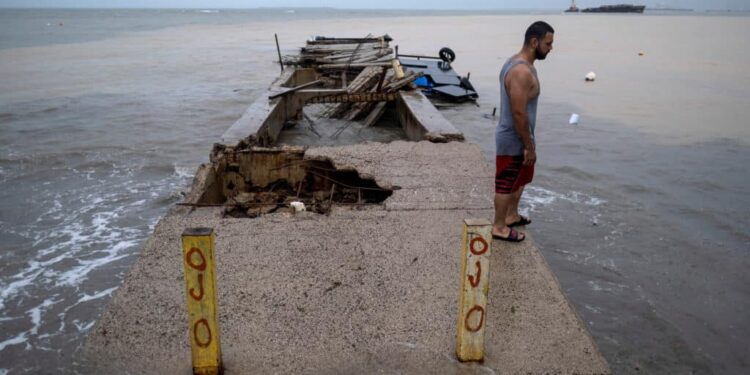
x: 200, y: 288
x: 475, y: 284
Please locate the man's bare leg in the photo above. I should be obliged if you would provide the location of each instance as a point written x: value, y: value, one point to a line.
x: 502, y: 205
x: 512, y: 215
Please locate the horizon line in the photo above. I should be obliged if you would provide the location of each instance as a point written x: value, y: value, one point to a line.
x: 364, y: 9
x: 282, y: 7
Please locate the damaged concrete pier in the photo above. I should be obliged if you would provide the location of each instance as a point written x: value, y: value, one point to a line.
x: 365, y: 281
x: 357, y: 291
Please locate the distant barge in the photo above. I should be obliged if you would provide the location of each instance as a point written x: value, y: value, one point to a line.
x: 573, y: 8
x: 620, y: 8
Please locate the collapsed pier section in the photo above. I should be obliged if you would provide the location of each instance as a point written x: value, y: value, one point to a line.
x: 344, y: 80
x: 250, y: 181
x: 356, y: 80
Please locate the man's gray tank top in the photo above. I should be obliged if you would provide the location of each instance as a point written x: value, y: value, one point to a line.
x: 507, y: 141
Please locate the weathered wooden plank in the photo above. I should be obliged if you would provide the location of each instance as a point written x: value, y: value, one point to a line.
x: 475, y: 283
x: 384, y: 58
x: 364, y: 81
x: 326, y: 40
x: 375, y: 114
x: 366, y: 78
x: 402, y: 82
x: 341, y: 47
x: 357, y: 65
x: 337, y: 58
x: 371, y: 58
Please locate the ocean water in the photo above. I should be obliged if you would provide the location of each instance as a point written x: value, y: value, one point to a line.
x: 641, y: 209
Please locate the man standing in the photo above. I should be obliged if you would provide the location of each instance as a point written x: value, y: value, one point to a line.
x: 514, y: 136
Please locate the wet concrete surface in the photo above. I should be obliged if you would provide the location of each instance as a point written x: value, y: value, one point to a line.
x: 358, y: 291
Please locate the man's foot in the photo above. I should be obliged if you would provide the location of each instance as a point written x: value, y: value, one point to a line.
x: 519, y: 222
x: 513, y: 236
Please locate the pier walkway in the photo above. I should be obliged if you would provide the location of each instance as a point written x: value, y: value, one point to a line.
x: 368, y: 290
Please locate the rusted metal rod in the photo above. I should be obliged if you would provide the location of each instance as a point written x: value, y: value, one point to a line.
x: 354, y: 98
x: 278, y: 50
x: 348, y: 186
x: 333, y: 188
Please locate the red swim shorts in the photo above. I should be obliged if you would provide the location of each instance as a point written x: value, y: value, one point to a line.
x: 511, y: 174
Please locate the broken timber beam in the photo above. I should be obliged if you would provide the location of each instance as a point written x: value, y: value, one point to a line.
x: 375, y: 114
x: 341, y: 47
x: 353, y: 65
x: 366, y: 78
x: 327, y: 40
x: 404, y: 81
x: 293, y: 89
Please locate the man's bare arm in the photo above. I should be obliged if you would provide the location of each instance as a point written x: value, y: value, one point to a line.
x: 519, y: 84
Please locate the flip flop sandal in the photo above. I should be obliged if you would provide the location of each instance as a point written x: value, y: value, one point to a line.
x: 521, y: 222
x: 513, y: 236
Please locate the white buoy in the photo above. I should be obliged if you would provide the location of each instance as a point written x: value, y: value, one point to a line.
x: 298, y: 206
x: 590, y: 77
x: 574, y: 119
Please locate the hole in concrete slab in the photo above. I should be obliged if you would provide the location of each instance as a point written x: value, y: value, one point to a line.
x: 254, y: 181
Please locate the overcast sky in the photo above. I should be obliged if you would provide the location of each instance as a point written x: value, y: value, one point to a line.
x: 370, y: 4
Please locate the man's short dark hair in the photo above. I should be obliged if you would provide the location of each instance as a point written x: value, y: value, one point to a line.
x: 538, y: 30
